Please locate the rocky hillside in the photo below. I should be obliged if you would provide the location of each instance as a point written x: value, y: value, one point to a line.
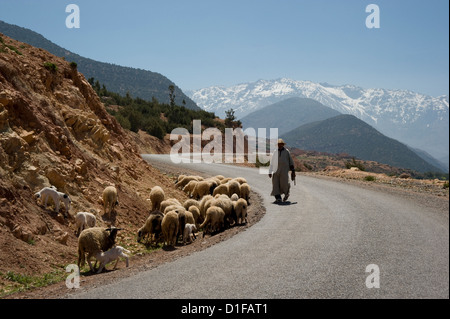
x: 54, y: 130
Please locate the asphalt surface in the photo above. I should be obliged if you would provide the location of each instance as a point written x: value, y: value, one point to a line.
x: 316, y: 246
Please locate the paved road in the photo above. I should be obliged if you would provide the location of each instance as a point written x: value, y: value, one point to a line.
x: 317, y: 247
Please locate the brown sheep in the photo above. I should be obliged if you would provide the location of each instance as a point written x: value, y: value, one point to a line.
x: 157, y: 197
x: 245, y: 192
x: 214, y: 220
x: 234, y: 188
x: 110, y: 199
x: 152, y: 226
x: 169, y: 227
x: 240, y: 208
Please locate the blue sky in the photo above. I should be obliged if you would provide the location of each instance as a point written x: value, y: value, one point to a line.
x: 201, y: 43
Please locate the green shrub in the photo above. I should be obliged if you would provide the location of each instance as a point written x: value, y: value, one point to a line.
x: 370, y: 178
x: 51, y: 66
x: 355, y: 163
x: 73, y: 65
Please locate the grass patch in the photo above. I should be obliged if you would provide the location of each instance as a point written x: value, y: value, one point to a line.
x: 14, y: 282
x: 370, y: 178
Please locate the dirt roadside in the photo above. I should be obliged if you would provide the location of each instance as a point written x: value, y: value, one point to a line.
x: 150, y: 260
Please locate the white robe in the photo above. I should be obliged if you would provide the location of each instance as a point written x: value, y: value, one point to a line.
x: 280, y: 167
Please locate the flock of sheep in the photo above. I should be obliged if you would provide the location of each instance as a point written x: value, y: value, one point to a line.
x: 215, y: 203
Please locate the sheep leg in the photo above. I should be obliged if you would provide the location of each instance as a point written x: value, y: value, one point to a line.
x: 100, y: 269
x: 115, y: 265
x: 45, y: 201
x: 89, y: 263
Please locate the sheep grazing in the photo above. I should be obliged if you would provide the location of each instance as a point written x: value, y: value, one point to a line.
x: 240, y: 180
x: 152, y: 227
x: 245, y: 192
x: 203, y: 202
x: 189, y: 188
x: 221, y: 189
x: 203, y: 188
x: 240, y: 208
x: 234, y: 188
x: 225, y: 180
x: 157, y: 197
x: 190, y: 217
x: 224, y: 202
x: 110, y: 199
x: 185, y: 180
x: 169, y: 227
x: 191, y: 202
x: 176, y: 208
x: 113, y: 254
x: 189, y: 232
x: 56, y: 196
x: 214, y: 220
x: 169, y: 202
x: 84, y: 220
x: 179, y: 178
x: 195, y: 212
x: 93, y: 241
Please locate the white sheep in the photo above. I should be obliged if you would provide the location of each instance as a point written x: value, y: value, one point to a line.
x: 110, y: 199
x: 93, y: 241
x: 234, y: 197
x: 113, y: 254
x: 56, y: 196
x: 189, y: 232
x: 157, y: 197
x: 84, y: 220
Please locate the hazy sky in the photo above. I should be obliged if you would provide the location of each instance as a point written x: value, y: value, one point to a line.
x: 201, y: 43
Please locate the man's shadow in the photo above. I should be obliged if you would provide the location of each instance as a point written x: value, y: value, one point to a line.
x: 286, y: 203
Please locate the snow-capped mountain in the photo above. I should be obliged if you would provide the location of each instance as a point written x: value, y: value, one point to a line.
x: 418, y: 120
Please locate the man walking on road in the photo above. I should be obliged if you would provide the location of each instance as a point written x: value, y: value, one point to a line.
x: 282, y: 163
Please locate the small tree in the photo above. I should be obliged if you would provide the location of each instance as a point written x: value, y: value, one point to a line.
x: 172, y: 95
x: 230, y: 119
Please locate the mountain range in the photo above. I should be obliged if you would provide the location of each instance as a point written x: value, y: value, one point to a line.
x: 418, y: 120
x: 350, y: 135
x: 137, y: 82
